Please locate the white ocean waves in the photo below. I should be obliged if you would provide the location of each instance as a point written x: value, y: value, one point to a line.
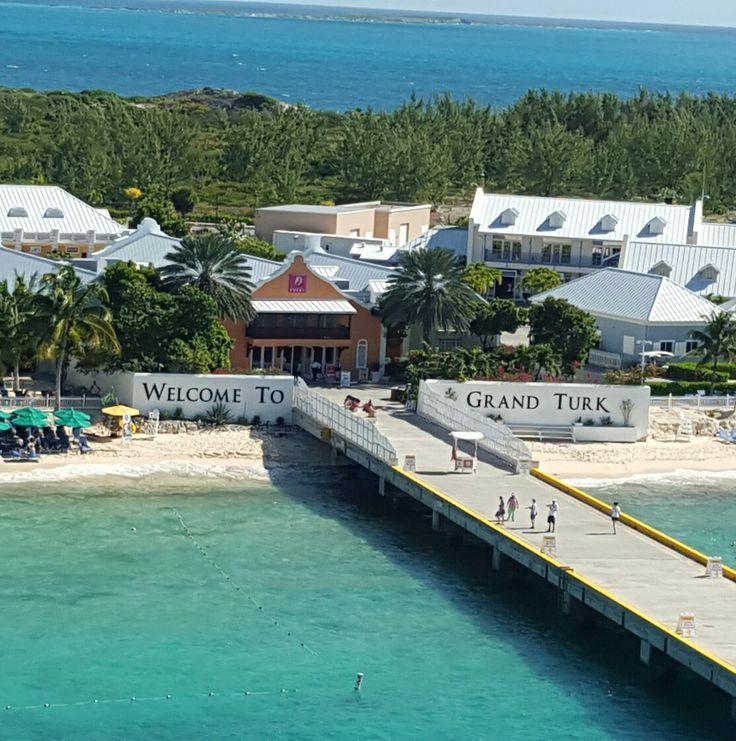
x: 178, y: 469
x: 679, y: 477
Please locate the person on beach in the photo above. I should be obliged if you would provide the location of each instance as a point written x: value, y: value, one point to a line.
x: 533, y: 512
x: 500, y: 512
x: 512, y: 505
x: 552, y: 516
x: 615, y: 515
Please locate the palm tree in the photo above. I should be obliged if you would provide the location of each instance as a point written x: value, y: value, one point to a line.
x: 429, y: 289
x: 482, y: 278
x: 211, y: 263
x: 716, y: 342
x: 18, y: 330
x: 75, y: 316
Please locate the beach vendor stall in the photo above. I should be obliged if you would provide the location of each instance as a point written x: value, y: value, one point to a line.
x: 463, y: 461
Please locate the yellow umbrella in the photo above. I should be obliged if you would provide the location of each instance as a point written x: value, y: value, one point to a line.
x: 120, y: 410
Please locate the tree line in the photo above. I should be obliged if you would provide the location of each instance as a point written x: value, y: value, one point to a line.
x: 97, y: 145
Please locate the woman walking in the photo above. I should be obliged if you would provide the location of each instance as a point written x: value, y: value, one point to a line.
x: 512, y: 505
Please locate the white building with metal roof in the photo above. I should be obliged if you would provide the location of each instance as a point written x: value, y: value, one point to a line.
x: 636, y: 312
x: 40, y: 219
x: 14, y: 264
x: 575, y: 236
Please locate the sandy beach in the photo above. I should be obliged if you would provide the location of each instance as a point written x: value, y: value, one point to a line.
x: 233, y: 452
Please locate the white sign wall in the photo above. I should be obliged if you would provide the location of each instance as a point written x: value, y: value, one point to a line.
x: 550, y: 403
x: 268, y: 397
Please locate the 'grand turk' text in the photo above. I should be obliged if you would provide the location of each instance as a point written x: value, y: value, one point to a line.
x: 560, y: 401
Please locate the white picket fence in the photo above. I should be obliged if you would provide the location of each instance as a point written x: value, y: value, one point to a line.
x: 498, y: 439
x: 696, y: 401
x: 356, y: 430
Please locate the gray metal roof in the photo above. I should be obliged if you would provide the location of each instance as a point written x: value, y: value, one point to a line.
x: 357, y: 273
x: 48, y: 208
x: 14, y: 262
x: 713, y: 233
x: 582, y: 218
x: 635, y: 297
x: 686, y: 263
x: 454, y: 238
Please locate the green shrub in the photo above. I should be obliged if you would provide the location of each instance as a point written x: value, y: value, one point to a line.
x: 695, y: 372
x: 218, y: 415
x: 680, y: 388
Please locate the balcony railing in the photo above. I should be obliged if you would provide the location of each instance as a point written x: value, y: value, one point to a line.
x: 271, y: 332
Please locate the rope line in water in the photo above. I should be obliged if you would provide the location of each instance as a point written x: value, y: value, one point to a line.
x: 237, y: 587
x: 161, y: 698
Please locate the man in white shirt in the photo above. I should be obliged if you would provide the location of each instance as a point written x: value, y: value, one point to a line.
x: 552, y: 516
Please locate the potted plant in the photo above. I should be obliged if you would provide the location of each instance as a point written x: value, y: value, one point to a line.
x: 578, y: 422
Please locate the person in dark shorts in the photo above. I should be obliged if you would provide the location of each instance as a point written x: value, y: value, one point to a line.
x: 500, y: 512
x: 615, y: 515
x: 552, y: 516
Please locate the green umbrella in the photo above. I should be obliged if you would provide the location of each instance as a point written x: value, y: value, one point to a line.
x: 4, y: 427
x: 4, y: 415
x: 72, y: 418
x: 29, y: 417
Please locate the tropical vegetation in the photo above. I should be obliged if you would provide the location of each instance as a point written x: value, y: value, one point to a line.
x: 210, y: 263
x: 716, y: 343
x: 429, y: 290
x: 236, y: 151
x: 537, y: 280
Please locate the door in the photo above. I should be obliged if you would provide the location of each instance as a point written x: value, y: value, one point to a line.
x: 505, y: 289
x: 403, y: 234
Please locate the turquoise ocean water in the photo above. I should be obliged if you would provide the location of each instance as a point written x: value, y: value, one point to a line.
x: 116, y: 588
x: 697, y: 508
x: 337, y: 63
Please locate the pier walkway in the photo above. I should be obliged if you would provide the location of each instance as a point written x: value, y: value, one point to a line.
x: 631, y: 578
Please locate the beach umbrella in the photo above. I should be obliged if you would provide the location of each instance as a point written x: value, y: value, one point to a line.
x: 29, y: 417
x: 4, y: 415
x: 5, y: 426
x: 72, y: 418
x: 120, y: 410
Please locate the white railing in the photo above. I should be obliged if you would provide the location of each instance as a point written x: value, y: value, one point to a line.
x: 697, y: 401
x: 47, y: 401
x: 498, y: 439
x: 356, y: 430
x: 603, y: 359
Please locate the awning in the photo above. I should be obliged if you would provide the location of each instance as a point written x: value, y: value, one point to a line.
x: 301, y: 306
x: 468, y: 435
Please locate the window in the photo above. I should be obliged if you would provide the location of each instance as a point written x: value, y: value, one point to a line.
x: 557, y: 253
x: 661, y: 268
x: 449, y: 344
x: 361, y: 354
x: 504, y: 250
x: 690, y: 345
x: 18, y: 212
x: 628, y: 345
x: 53, y: 213
x: 667, y: 346
x: 596, y: 257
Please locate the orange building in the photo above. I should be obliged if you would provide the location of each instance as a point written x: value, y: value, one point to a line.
x: 304, y: 319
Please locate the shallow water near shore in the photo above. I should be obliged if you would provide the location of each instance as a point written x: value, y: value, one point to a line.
x: 697, y: 508
x: 117, y: 589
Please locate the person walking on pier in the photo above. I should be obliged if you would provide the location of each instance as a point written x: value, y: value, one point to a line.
x: 552, y: 516
x: 512, y: 505
x: 533, y: 512
x: 500, y: 512
x: 615, y: 515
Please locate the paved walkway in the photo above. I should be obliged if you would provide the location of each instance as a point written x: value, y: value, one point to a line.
x: 640, y: 571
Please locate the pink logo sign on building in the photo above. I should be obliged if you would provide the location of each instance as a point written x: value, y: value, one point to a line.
x: 297, y: 284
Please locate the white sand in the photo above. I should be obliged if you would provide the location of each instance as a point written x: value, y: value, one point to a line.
x: 234, y: 452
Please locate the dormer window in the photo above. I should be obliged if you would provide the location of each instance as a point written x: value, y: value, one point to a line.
x: 53, y: 213
x: 656, y: 226
x: 661, y: 268
x: 709, y: 273
x: 18, y: 212
x: 608, y: 223
x: 508, y: 217
x: 556, y: 219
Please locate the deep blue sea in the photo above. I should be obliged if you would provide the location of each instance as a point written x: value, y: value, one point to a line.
x: 338, y: 63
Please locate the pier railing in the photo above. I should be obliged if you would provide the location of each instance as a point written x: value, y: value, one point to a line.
x: 354, y: 429
x: 498, y: 439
